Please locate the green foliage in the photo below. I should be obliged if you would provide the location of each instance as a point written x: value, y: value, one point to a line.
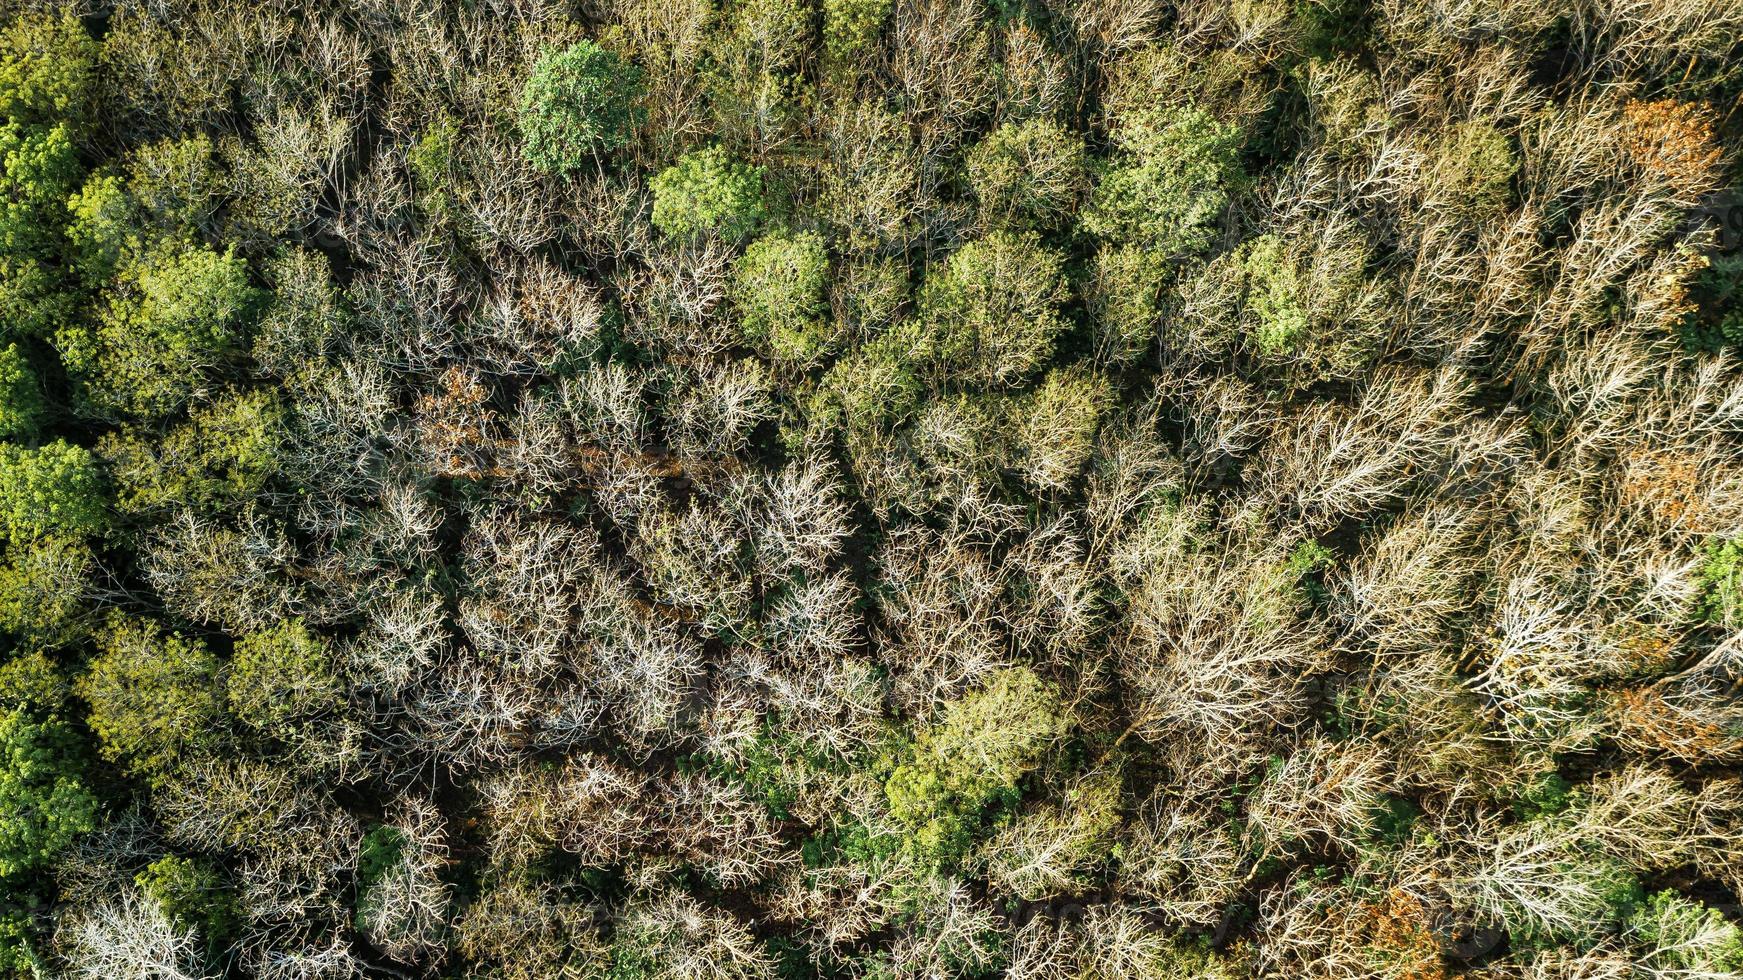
x: 1685, y: 938
x: 431, y: 160
x: 31, y: 681
x: 153, y: 696
x: 21, y: 406
x: 52, y: 489
x: 1273, y: 297
x: 104, y: 227
x: 1056, y: 425
x: 851, y: 26
x: 192, y: 894
x: 1474, y: 167
x: 43, y: 802
x: 991, y: 312
x: 280, y: 676
x: 1720, y: 577
x: 39, y: 169
x: 1169, y: 179
x: 178, y: 311
x: 304, y: 320
x: 779, y: 286
x: 221, y: 456
x: 973, y: 759
x: 707, y: 191
x: 1027, y: 175
x: 47, y: 67
x: 378, y: 854
x: 44, y: 584
x: 18, y: 956
x: 578, y: 100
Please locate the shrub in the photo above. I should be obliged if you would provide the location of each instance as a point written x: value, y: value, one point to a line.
x: 973, y: 758
x: 178, y: 311
x: 1122, y: 297
x: 1169, y: 179
x: 707, y: 191
x: 578, y: 100
x: 1473, y: 169
x: 31, y: 681
x: 1027, y: 175
x: 54, y: 489
x: 1679, y: 937
x: 992, y: 310
x: 779, y: 288
x: 153, y: 695
x: 21, y: 407
x: 281, y: 675
x: 104, y: 227
x: 43, y: 803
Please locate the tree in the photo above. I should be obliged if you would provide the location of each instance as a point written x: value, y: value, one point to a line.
x: 1027, y: 175
x: 178, y: 311
x: 154, y: 696
x: 192, y: 895
x: 1167, y: 183
x: 220, y: 457
x: 54, y: 489
x: 991, y: 312
x: 47, y: 68
x: 779, y: 289
x: 44, y: 586
x: 21, y: 405
x: 707, y: 191
x: 973, y: 758
x: 577, y: 101
x: 43, y: 802
x: 280, y: 676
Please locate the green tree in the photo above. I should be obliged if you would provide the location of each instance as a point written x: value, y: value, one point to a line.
x: 779, y: 288
x: 851, y: 26
x: 43, y: 802
x: 55, y: 488
x: 47, y: 68
x: 176, y: 312
x: 578, y: 100
x: 991, y: 312
x: 1055, y: 425
x: 222, y: 455
x: 21, y: 407
x: 39, y: 169
x: 43, y: 587
x: 1170, y: 177
x: 280, y: 676
x: 1027, y: 175
x: 192, y: 894
x: 974, y: 758
x: 708, y: 191
x: 153, y: 695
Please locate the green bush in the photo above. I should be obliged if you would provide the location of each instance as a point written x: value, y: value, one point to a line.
x: 992, y: 311
x: 1027, y: 175
x: 33, y: 682
x: 1274, y: 305
x: 54, y: 489
x: 43, y: 803
x: 779, y: 288
x: 21, y: 407
x: 707, y: 191
x: 578, y: 100
x: 1680, y: 937
x: 179, y: 310
x: 221, y: 456
x: 1169, y: 179
x: 1473, y: 169
x: 973, y: 758
x: 280, y: 676
x: 1055, y: 425
x: 153, y: 696
x: 44, y: 585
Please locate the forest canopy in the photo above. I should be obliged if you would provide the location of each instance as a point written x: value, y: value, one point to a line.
x: 871, y: 489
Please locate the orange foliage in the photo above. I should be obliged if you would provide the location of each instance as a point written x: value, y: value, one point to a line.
x: 1674, y: 140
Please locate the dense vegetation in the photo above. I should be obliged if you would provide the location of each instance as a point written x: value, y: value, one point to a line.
x: 715, y: 489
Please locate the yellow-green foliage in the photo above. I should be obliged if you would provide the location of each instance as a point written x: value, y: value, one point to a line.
x: 154, y: 696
